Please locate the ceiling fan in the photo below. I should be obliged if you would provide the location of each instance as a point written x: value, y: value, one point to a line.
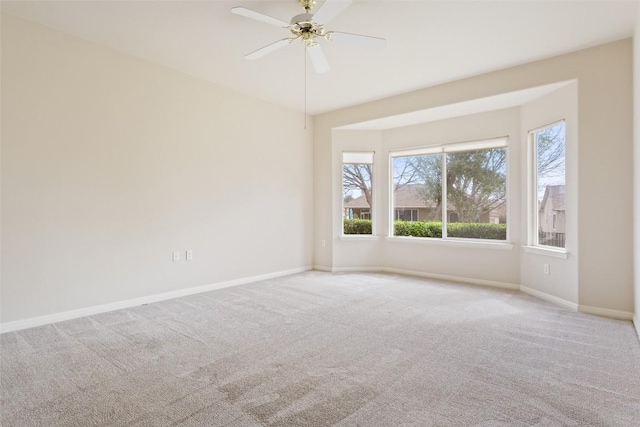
x: 309, y: 26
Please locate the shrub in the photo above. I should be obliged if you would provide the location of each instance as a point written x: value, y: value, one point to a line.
x: 357, y: 226
x: 463, y: 230
x: 433, y: 229
x: 418, y: 229
x: 478, y: 231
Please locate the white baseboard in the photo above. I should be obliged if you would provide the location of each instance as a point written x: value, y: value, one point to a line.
x: 615, y: 314
x: 103, y: 308
x: 549, y: 298
x: 357, y: 270
x: 606, y: 312
x: 458, y: 279
x: 88, y: 311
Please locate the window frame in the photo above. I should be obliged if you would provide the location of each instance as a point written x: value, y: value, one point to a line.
x: 373, y: 193
x: 443, y: 150
x: 533, y: 244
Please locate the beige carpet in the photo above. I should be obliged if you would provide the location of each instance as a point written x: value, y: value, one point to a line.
x: 318, y: 349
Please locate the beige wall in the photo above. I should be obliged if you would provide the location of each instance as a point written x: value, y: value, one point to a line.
x: 604, y: 156
x: 636, y: 180
x: 110, y: 163
x: 605, y: 179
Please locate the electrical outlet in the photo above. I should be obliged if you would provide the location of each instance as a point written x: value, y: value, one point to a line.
x: 323, y: 243
x: 547, y: 269
x: 176, y: 256
x: 189, y: 255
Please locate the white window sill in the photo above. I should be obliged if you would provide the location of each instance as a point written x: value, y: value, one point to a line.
x: 547, y: 252
x: 358, y: 237
x: 461, y: 243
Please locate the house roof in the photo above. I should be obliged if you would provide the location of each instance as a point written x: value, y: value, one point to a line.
x: 500, y: 211
x: 360, y: 202
x: 554, y: 194
x: 406, y: 197
x: 410, y: 197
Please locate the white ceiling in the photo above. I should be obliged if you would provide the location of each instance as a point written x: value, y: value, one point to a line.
x: 428, y: 42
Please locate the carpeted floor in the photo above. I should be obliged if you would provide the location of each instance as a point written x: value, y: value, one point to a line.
x: 318, y: 349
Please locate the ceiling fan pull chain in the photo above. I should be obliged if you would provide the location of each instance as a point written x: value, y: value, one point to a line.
x: 304, y: 55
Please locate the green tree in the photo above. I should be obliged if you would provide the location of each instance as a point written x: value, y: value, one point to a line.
x: 550, y: 150
x: 476, y: 182
x: 550, y: 157
x: 404, y: 172
x: 429, y: 172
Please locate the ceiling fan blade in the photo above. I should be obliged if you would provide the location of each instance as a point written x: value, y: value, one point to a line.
x: 248, y: 13
x: 269, y: 48
x: 330, y: 9
x: 357, y: 40
x: 318, y: 59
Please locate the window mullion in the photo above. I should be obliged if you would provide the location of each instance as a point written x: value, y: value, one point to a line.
x: 444, y: 195
x: 533, y: 200
x: 391, y: 220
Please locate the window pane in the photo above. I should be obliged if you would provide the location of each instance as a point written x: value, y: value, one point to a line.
x: 417, y: 195
x: 356, y: 196
x: 476, y: 194
x: 550, y: 180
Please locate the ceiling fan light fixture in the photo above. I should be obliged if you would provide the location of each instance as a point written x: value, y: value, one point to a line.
x: 303, y: 26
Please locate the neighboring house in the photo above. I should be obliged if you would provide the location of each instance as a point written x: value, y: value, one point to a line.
x: 357, y: 208
x: 498, y: 215
x: 410, y: 205
x: 551, y: 214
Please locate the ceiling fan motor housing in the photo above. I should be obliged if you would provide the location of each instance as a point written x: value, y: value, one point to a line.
x: 305, y: 27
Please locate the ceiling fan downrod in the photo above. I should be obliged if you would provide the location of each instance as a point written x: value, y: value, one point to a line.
x: 307, y: 4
